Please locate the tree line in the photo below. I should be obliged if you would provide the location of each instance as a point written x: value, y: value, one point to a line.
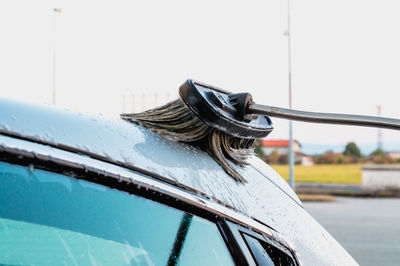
x: 350, y: 155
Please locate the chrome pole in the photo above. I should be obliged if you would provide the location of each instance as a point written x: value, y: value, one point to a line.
x: 324, y: 118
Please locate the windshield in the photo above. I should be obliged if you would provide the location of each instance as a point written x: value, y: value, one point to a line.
x: 51, y: 219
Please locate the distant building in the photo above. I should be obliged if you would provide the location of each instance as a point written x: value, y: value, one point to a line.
x: 301, y: 158
x: 282, y: 147
x: 395, y: 155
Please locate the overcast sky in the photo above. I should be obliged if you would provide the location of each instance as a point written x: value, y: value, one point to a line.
x: 345, y: 55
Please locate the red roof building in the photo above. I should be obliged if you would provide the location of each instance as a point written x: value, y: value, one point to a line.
x: 278, y: 143
x: 281, y: 146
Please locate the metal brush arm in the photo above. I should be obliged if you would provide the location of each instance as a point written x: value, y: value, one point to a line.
x: 327, y: 118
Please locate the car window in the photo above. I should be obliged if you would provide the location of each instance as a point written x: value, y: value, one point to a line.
x: 266, y: 254
x: 52, y: 219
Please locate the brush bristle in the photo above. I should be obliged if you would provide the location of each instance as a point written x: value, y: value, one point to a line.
x: 173, y: 120
x: 177, y: 122
x: 222, y: 146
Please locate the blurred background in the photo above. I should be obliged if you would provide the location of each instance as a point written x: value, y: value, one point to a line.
x: 127, y: 56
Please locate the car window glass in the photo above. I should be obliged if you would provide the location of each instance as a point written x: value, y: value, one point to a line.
x: 51, y: 219
x: 202, y: 247
x: 259, y: 253
x: 266, y: 254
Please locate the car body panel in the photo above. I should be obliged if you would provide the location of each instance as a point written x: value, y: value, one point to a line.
x: 265, y: 198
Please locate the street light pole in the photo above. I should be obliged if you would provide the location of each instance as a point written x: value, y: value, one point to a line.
x: 55, y: 10
x: 291, y: 155
x: 379, y: 108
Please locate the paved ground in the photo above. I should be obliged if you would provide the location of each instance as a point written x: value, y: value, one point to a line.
x: 328, y: 186
x: 368, y: 228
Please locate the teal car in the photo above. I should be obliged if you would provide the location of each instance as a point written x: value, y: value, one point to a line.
x: 78, y: 189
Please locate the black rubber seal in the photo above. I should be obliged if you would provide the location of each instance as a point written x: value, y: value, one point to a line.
x: 224, y: 111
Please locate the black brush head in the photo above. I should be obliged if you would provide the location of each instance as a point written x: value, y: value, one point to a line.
x: 224, y: 111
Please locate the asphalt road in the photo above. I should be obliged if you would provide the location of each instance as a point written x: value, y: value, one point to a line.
x: 368, y: 228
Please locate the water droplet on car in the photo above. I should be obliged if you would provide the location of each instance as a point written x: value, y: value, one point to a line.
x: 31, y: 168
x: 5, y: 127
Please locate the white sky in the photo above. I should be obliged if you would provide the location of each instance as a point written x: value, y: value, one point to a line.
x: 346, y: 55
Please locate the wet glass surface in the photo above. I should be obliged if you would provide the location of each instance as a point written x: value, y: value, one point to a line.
x: 51, y: 219
x: 266, y: 254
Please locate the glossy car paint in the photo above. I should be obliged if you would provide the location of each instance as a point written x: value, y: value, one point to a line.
x: 265, y: 198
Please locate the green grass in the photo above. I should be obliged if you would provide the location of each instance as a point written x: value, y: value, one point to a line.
x: 323, y: 173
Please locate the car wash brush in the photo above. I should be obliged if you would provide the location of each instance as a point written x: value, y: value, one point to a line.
x: 212, y: 119
x: 226, y: 124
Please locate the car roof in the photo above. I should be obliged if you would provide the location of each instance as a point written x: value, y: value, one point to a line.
x: 266, y: 197
x: 133, y: 145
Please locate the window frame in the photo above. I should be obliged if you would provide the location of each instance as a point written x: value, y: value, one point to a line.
x: 233, y: 234
x: 229, y: 226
